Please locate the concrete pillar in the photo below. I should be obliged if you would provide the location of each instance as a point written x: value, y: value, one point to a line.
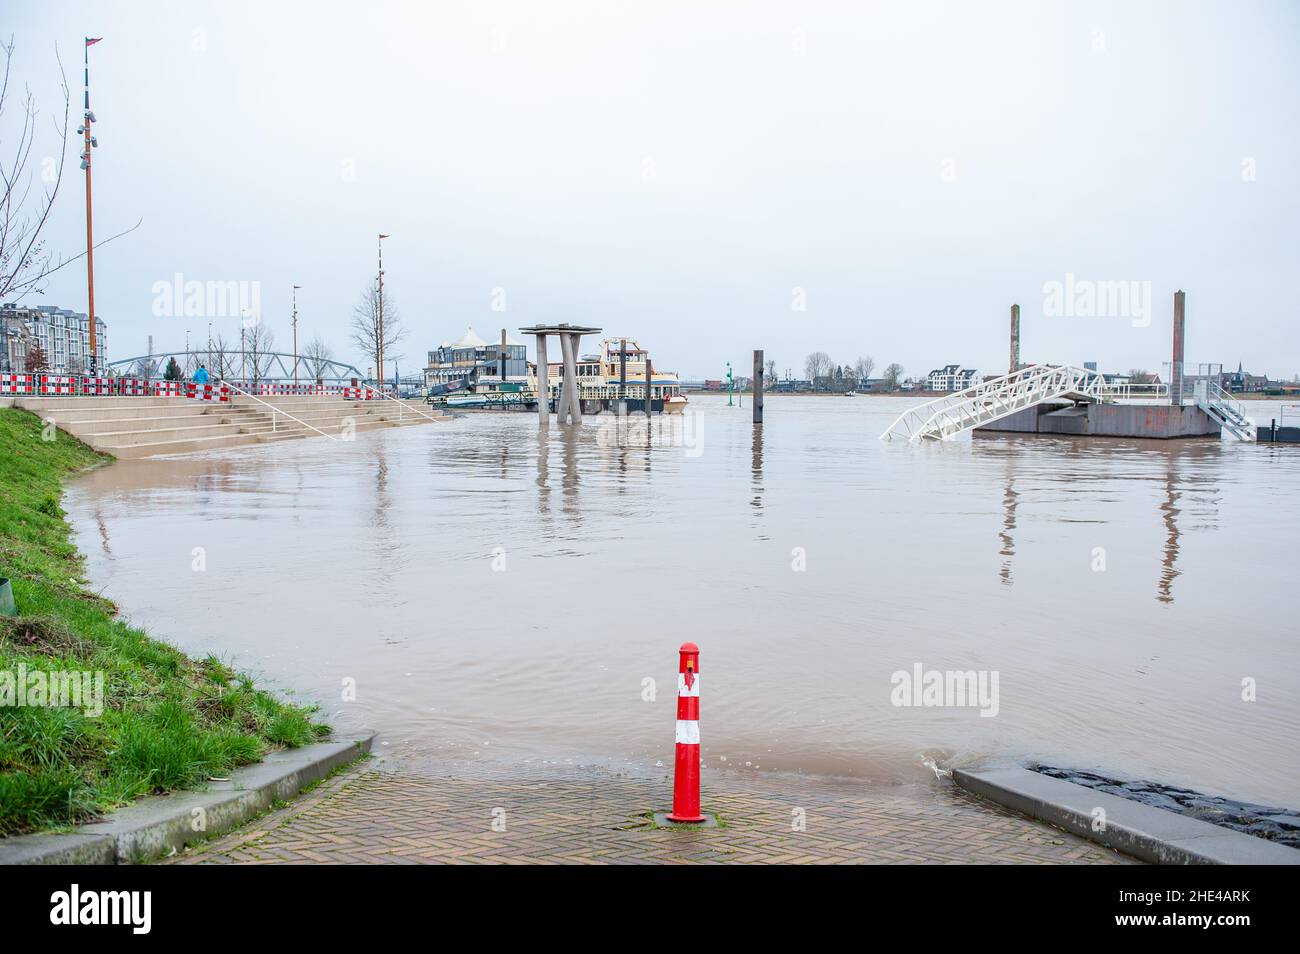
x: 1176, y: 367
x: 568, y: 405
x: 758, y: 387
x: 575, y: 395
x: 543, y: 384
x: 1015, y: 339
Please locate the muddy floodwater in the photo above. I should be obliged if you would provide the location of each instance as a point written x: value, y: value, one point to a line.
x: 493, y: 595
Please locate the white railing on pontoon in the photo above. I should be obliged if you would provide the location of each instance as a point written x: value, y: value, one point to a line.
x: 947, y: 416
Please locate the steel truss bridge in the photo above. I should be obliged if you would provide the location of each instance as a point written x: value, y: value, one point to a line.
x: 244, y: 366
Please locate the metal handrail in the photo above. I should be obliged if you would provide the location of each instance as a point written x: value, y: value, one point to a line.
x: 275, y: 410
x: 401, y: 405
x: 1223, y: 407
x: 990, y: 400
x: 1123, y: 392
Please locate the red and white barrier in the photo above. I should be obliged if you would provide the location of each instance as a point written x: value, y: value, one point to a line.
x: 94, y: 386
x: 686, y: 775
x: 46, y: 384
x: 55, y: 384
x: 15, y: 384
x: 207, y: 392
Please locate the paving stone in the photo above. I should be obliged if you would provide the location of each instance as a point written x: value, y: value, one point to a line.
x: 594, y: 816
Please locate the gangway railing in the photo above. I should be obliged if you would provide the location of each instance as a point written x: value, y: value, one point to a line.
x: 275, y: 411
x: 1156, y: 391
x: 992, y: 400
x: 402, y: 406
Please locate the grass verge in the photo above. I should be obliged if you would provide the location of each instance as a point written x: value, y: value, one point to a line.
x: 167, y: 722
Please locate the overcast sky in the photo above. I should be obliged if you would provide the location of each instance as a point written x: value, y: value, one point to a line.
x: 877, y: 179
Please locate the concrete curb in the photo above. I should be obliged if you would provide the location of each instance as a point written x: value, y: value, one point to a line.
x: 1151, y: 834
x: 153, y: 827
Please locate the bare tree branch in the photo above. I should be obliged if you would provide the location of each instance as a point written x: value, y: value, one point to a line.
x: 364, y: 331
x: 316, y: 353
x: 24, y: 260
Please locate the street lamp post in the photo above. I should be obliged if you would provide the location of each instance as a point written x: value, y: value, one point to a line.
x: 731, y: 385
x: 379, y: 331
x: 295, y: 335
x: 90, y: 143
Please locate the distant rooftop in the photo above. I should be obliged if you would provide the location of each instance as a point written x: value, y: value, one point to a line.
x: 471, y: 339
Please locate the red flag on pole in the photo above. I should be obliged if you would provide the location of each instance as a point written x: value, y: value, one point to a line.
x: 92, y: 40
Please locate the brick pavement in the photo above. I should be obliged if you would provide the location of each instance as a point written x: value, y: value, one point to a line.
x: 376, y: 814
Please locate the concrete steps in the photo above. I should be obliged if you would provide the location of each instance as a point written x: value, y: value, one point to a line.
x: 145, y: 427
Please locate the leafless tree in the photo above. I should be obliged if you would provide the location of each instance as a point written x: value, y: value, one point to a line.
x: 1140, y: 376
x: 365, y: 327
x: 864, y: 367
x: 769, y: 370
x: 146, y: 368
x: 316, y: 353
x: 223, y: 358
x: 25, y: 261
x: 892, y: 375
x: 817, y: 365
x: 259, y: 341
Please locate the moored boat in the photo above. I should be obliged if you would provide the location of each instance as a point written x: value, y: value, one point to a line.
x: 599, y: 376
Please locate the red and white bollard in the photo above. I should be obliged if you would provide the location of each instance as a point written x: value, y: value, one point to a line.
x: 686, y: 778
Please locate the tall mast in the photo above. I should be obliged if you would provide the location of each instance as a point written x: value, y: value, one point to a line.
x: 295, y: 334
x: 90, y: 142
x: 379, y: 335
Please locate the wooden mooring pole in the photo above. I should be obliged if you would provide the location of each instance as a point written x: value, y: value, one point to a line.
x: 622, y: 378
x: 758, y: 386
x: 1176, y: 365
x: 1015, y: 340
x: 649, y: 388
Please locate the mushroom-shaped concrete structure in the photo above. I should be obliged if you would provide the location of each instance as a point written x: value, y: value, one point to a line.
x: 568, y: 404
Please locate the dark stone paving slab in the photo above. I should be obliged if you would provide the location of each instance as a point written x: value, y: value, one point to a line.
x: 1151, y: 834
x: 1280, y: 825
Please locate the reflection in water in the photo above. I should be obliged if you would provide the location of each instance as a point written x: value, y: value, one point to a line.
x: 569, y: 434
x: 756, y: 473
x: 1170, y: 511
x: 103, y: 532
x: 382, y: 502
x: 543, y: 471
x: 1010, y: 500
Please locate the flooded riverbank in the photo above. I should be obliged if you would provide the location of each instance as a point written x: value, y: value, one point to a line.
x: 490, y: 594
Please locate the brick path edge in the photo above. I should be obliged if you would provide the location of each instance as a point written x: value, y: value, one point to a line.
x: 157, y: 826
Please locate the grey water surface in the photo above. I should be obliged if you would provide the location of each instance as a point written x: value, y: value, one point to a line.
x: 495, y: 594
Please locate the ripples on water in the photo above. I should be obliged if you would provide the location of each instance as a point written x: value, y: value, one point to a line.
x: 374, y: 561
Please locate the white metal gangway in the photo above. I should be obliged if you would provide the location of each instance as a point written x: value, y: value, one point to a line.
x: 997, y: 398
